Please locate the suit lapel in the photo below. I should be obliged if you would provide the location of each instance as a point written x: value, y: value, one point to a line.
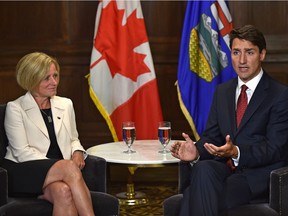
x: 33, y: 112
x: 58, y: 114
x: 256, y: 100
x: 231, y: 104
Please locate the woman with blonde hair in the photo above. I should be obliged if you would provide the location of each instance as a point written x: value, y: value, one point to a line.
x: 44, y: 157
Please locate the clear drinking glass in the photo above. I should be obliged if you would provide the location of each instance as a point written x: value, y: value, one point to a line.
x: 164, y: 135
x: 129, y: 135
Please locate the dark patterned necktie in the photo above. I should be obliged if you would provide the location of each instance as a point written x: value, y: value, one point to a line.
x: 241, y: 104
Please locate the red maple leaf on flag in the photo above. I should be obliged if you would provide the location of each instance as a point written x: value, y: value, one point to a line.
x: 116, y: 42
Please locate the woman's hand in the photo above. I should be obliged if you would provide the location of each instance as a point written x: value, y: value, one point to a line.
x: 78, y: 159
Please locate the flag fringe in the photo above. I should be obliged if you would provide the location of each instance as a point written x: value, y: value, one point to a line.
x: 187, y: 114
x: 102, y: 110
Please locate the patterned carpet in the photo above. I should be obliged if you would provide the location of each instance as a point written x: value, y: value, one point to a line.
x: 155, y: 193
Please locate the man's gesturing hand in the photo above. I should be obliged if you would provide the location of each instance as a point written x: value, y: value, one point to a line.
x: 184, y: 150
x: 227, y: 150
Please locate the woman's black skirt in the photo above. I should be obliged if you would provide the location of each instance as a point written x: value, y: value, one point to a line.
x: 27, y: 178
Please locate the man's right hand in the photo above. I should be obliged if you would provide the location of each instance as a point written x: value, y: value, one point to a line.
x: 184, y: 150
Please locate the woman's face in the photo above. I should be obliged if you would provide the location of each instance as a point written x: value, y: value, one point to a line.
x: 48, y: 86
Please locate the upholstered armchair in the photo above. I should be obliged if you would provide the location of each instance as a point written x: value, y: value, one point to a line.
x: 94, y: 174
x: 276, y: 205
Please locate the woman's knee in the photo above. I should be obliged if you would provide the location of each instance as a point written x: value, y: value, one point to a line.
x: 64, y: 192
x: 67, y: 168
x: 70, y: 167
x: 63, y: 170
x: 61, y: 191
x: 58, y: 192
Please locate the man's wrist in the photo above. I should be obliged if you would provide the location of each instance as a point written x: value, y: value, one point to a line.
x: 194, y: 161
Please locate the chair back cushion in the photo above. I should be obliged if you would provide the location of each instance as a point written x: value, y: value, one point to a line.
x: 3, y: 137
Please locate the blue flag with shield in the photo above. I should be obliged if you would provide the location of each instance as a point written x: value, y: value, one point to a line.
x: 204, y: 59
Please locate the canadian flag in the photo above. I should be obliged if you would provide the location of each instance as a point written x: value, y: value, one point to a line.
x: 122, y: 81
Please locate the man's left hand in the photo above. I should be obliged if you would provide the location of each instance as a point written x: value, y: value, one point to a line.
x: 227, y: 150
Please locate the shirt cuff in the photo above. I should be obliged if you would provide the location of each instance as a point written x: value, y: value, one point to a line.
x: 194, y: 162
x: 85, y: 154
x: 236, y: 160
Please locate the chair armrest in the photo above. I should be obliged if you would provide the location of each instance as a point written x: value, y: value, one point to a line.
x: 279, y: 190
x: 105, y: 204
x: 3, y: 186
x: 94, y: 173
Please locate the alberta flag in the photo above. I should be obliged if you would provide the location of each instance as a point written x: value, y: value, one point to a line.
x: 204, y: 59
x: 122, y: 78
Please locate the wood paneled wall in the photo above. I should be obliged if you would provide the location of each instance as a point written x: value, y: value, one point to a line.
x: 65, y: 30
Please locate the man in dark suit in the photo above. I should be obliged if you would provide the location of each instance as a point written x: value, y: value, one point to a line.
x: 251, y: 135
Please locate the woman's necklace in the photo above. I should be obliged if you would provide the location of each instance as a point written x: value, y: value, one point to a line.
x: 48, y: 116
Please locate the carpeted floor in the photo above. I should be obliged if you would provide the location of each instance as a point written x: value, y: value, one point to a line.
x: 156, y: 193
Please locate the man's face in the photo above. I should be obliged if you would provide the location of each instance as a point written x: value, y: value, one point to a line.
x: 246, y: 59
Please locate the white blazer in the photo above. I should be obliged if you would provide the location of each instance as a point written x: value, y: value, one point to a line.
x: 27, y: 133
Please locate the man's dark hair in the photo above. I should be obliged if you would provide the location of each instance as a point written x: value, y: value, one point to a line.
x: 249, y: 33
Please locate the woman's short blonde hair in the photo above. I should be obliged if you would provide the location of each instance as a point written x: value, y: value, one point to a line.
x: 33, y: 68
